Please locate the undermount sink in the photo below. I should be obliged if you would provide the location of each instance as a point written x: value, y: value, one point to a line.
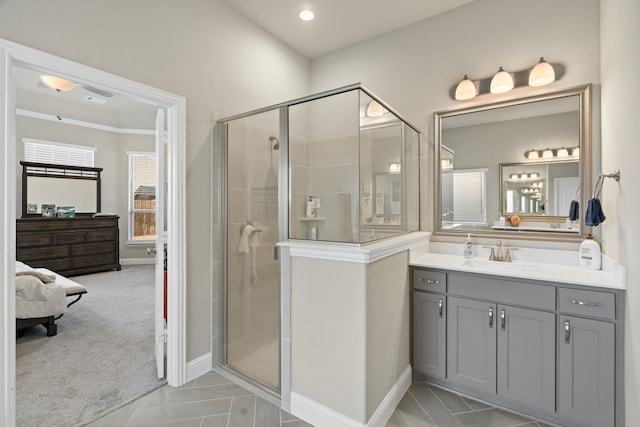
x: 499, y: 266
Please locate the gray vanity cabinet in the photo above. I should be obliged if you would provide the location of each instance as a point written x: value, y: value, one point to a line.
x: 586, y: 357
x: 429, y: 333
x: 526, y: 356
x: 471, y: 345
x: 429, y: 322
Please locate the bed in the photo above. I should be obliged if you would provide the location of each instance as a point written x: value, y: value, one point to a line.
x: 43, y: 296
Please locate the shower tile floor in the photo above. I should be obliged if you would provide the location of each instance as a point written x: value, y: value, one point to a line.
x: 213, y: 400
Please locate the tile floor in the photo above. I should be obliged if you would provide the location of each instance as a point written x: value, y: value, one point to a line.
x: 213, y: 400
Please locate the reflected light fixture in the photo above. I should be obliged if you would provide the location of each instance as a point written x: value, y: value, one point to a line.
x: 547, y: 154
x: 374, y: 109
x: 306, y: 15
x: 394, y: 167
x: 466, y: 89
x: 575, y: 152
x: 502, y: 82
x: 56, y: 83
x: 562, y: 152
x: 542, y: 74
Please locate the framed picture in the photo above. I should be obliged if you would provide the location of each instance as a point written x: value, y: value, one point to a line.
x: 48, y: 210
x: 32, y: 208
x: 66, y: 211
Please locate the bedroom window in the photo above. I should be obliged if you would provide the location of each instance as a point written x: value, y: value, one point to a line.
x: 58, y: 153
x: 142, y: 197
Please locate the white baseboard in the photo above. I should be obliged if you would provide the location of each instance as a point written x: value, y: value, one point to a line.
x: 198, y: 366
x: 322, y: 416
x: 137, y: 261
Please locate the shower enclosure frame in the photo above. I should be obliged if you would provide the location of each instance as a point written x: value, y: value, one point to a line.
x: 284, y: 201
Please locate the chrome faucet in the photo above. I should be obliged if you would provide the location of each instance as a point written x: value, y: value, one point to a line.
x: 500, y: 253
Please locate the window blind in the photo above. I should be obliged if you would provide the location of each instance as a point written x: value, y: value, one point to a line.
x: 58, y: 153
x: 464, y: 196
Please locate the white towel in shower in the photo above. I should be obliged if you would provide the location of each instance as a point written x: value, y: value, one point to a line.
x: 243, y: 245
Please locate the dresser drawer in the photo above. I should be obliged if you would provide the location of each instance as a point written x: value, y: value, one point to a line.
x: 101, y: 235
x: 427, y: 280
x: 95, y: 223
x: 60, y: 265
x: 91, y: 261
x: 50, y: 252
x: 28, y: 240
x: 41, y: 225
x: 92, y: 248
x: 69, y: 238
x: 587, y: 303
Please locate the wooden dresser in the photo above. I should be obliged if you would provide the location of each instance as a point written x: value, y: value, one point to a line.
x: 69, y: 246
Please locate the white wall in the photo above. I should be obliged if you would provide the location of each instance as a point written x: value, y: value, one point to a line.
x: 620, y: 42
x: 200, y: 49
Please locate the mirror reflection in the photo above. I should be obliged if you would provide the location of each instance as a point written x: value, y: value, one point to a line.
x: 525, y: 157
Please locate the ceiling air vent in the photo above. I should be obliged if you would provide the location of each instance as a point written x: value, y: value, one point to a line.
x: 95, y: 99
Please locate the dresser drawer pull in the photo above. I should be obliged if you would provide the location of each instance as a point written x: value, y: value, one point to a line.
x: 586, y: 304
x: 429, y: 281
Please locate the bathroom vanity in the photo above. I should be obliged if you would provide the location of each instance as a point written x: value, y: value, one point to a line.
x: 540, y: 339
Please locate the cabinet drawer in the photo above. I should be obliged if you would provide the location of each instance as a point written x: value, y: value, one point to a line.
x: 91, y: 261
x: 26, y: 255
x: 41, y: 225
x: 428, y: 280
x: 68, y: 238
x: 101, y: 235
x: 28, y: 240
x: 93, y: 248
x: 587, y: 303
x: 503, y: 291
x: 95, y: 223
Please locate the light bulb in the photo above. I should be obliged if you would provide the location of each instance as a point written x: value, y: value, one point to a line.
x: 502, y: 82
x: 533, y: 154
x: 542, y: 74
x: 466, y: 89
x: 306, y: 15
x: 563, y: 152
x: 547, y: 154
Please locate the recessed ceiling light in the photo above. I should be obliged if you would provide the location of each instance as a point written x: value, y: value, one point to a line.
x: 306, y: 15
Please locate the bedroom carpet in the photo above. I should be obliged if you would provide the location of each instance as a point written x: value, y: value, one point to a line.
x: 102, y: 358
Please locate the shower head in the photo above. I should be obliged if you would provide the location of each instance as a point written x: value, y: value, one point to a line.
x: 275, y: 142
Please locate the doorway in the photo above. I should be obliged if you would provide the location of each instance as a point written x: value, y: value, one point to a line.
x: 12, y: 55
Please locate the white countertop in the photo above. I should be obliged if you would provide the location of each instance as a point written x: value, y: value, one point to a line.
x: 613, y: 277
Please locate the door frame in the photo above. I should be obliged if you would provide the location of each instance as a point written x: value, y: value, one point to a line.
x: 15, y: 54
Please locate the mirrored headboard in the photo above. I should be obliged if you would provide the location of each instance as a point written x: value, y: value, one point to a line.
x: 528, y: 157
x: 73, y: 187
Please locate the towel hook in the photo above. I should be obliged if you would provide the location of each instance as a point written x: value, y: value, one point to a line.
x: 615, y: 175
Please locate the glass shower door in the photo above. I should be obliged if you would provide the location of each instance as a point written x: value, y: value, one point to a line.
x: 253, y: 273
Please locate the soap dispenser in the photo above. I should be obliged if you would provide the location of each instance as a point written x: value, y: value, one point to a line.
x: 590, y: 254
x: 468, y: 247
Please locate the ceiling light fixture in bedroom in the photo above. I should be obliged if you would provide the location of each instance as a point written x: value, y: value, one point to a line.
x: 57, y: 83
x: 306, y: 15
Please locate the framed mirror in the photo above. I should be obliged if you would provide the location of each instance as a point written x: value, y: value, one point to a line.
x: 67, y: 190
x: 526, y: 157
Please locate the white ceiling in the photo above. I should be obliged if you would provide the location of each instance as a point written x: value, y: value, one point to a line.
x: 337, y: 23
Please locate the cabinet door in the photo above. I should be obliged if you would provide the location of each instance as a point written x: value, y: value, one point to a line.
x: 471, y: 346
x: 429, y: 328
x: 526, y: 356
x: 586, y: 370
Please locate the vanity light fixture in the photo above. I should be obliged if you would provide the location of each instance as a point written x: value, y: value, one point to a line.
x: 374, y: 109
x: 306, y: 15
x: 562, y: 152
x: 57, y: 83
x: 466, y: 89
x: 502, y: 82
x: 394, y: 167
x: 533, y: 154
x: 552, y: 153
x: 547, y: 154
x: 542, y: 74
x: 575, y: 152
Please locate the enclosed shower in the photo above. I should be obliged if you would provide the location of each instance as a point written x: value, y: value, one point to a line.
x: 339, y: 166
